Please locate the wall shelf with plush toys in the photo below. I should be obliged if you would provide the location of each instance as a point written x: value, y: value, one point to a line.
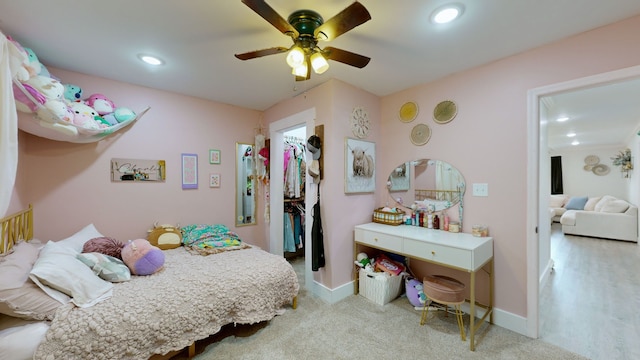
x: 59, y: 111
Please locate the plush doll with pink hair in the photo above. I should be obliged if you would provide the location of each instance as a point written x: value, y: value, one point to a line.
x: 141, y: 257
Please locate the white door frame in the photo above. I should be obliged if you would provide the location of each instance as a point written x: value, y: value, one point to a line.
x: 534, y: 193
x: 276, y: 187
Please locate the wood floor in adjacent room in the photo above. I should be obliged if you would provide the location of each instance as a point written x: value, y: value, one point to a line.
x: 591, y: 303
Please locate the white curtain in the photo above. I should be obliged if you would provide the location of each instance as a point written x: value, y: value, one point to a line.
x: 10, y: 60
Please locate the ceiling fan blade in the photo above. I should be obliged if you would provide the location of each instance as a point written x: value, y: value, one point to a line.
x: 261, y: 53
x: 267, y: 13
x: 345, y: 57
x: 354, y: 15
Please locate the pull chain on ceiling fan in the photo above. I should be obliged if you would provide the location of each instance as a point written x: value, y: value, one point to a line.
x: 306, y: 28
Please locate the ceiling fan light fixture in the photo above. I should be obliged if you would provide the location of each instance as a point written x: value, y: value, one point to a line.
x: 447, y: 13
x: 319, y: 63
x: 295, y: 57
x: 300, y: 70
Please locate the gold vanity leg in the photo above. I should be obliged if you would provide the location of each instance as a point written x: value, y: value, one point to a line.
x: 491, y: 284
x: 472, y: 312
x: 192, y: 350
x: 356, y: 282
x: 294, y: 304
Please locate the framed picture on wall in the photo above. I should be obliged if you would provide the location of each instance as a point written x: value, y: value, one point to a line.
x: 214, y: 180
x: 189, y: 171
x: 214, y: 156
x: 360, y: 166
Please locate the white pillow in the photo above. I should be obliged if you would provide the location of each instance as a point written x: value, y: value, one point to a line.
x: 615, y: 206
x: 603, y: 201
x: 22, y: 341
x: 107, y: 267
x: 77, y: 240
x: 65, y: 278
x: 591, y: 203
x: 557, y: 201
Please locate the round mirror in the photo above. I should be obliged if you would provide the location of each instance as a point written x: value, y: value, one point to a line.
x: 433, y: 184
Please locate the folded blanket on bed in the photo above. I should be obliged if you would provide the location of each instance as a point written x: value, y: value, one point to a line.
x: 210, y: 239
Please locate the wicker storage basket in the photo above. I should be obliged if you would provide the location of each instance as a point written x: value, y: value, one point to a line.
x: 380, y: 289
x: 387, y: 217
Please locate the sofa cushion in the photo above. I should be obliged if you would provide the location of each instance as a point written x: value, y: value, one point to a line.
x: 615, y: 206
x: 591, y: 203
x: 557, y: 201
x: 603, y: 201
x: 576, y: 203
x: 568, y: 218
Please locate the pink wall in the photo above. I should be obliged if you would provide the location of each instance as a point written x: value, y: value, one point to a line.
x: 487, y: 141
x: 70, y: 187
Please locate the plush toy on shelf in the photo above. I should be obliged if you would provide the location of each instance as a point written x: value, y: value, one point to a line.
x: 72, y: 92
x: 363, y: 261
x: 101, y: 104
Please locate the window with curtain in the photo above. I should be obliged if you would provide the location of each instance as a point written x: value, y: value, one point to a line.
x: 556, y: 175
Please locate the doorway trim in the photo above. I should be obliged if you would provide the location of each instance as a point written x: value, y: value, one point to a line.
x: 276, y: 188
x: 534, y: 196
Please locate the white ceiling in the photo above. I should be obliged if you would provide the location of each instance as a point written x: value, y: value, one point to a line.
x: 198, y: 38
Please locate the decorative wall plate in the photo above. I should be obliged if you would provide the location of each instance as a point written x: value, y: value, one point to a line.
x: 588, y: 167
x: 408, y: 112
x: 360, y: 125
x: 420, y: 134
x: 600, y: 169
x: 445, y: 111
x: 591, y: 160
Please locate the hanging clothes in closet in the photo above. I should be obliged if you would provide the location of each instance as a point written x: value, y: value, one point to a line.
x: 294, y: 168
x: 294, y: 222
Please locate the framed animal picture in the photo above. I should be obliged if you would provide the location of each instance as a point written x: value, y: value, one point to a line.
x: 360, y: 166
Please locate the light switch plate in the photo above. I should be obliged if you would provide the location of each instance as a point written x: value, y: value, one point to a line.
x: 480, y: 189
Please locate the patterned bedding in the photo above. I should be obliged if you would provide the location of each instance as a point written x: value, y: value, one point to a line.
x: 190, y: 299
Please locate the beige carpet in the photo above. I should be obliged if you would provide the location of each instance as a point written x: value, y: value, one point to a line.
x: 356, y: 328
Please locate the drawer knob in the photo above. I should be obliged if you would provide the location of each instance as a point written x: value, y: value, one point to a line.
x: 375, y: 239
x: 433, y: 253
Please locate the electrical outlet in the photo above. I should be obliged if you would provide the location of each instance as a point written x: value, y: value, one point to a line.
x: 480, y: 189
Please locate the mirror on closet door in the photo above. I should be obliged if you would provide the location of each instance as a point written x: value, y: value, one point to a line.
x: 245, y: 185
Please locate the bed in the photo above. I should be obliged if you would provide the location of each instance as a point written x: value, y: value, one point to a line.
x: 192, y: 297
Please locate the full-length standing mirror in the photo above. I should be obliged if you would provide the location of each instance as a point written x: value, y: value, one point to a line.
x: 245, y: 185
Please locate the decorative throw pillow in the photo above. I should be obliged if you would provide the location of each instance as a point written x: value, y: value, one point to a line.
x: 615, y: 206
x: 15, y: 266
x: 576, y: 203
x: 605, y: 199
x: 591, y: 203
x: 107, y: 267
x: 557, y: 201
x: 104, y: 245
x: 65, y: 278
x: 28, y: 302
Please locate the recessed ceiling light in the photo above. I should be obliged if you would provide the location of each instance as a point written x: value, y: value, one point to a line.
x: 562, y: 118
x: 151, y: 60
x: 571, y: 134
x: 575, y: 142
x: 447, y: 13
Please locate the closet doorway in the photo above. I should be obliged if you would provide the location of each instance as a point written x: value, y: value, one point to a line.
x: 300, y: 123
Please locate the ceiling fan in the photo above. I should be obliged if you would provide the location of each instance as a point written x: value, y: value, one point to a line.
x: 306, y: 28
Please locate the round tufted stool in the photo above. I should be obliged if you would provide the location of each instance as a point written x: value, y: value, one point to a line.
x: 446, y: 291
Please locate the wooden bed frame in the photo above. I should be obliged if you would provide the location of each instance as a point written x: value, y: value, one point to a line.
x: 19, y: 227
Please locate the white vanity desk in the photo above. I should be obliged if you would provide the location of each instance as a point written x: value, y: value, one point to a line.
x: 459, y: 251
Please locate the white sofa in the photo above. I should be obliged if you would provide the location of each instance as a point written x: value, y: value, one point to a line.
x: 604, y: 217
x: 556, y: 206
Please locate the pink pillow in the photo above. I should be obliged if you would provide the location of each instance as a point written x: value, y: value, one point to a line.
x: 104, y: 245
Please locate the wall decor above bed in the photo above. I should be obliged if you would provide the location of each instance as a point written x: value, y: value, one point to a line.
x: 137, y: 170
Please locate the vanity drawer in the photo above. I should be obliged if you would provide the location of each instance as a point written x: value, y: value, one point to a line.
x: 447, y: 255
x: 379, y: 240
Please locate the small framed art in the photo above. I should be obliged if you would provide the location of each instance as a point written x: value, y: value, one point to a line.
x: 214, y: 156
x: 214, y: 180
x: 360, y: 166
x: 189, y: 171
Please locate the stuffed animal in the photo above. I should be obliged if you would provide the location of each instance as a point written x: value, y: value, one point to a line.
x: 101, y: 104
x: 72, y: 92
x: 415, y: 292
x: 84, y: 116
x: 49, y: 87
x: 363, y: 261
x: 142, y: 258
x: 123, y: 114
x: 165, y: 236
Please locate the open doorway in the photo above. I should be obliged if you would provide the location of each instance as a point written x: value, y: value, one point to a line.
x: 538, y: 224
x: 299, y: 123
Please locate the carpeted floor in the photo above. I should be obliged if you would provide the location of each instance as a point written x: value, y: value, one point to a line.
x: 356, y: 328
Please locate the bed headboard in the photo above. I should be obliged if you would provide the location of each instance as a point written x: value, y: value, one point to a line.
x: 16, y: 227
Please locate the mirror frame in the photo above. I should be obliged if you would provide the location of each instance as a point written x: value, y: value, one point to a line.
x: 407, y: 169
x: 245, y: 186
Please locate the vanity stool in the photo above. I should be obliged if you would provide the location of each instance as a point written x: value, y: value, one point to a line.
x: 446, y: 291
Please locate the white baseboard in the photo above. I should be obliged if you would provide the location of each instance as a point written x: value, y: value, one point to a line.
x: 507, y: 320
x: 545, y: 274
